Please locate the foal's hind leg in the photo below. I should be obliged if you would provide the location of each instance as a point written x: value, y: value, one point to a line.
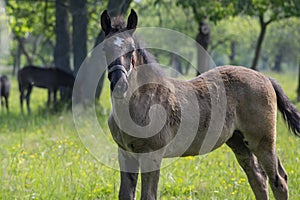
x: 277, y: 176
x: 256, y: 175
x: 282, y: 171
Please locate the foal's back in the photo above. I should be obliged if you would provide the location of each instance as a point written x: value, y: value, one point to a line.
x: 250, y: 101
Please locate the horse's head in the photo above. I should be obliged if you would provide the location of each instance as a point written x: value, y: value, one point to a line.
x: 119, y: 47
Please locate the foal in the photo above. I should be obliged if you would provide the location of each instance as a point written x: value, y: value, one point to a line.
x: 241, y: 103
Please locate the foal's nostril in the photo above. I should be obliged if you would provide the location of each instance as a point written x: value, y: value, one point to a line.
x: 120, y: 89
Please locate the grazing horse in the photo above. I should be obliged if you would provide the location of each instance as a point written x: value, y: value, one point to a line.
x: 244, y: 110
x: 49, y: 78
x: 4, y: 91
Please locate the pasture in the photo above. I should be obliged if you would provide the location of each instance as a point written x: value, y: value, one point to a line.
x: 42, y: 157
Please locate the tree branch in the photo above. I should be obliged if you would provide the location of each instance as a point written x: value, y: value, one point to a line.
x: 224, y: 40
x: 21, y: 43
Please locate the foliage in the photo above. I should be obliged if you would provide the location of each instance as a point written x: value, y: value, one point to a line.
x: 242, y: 31
x: 215, y: 10
x: 165, y: 14
x: 281, y: 39
x: 30, y: 18
x: 273, y: 9
x: 34, y: 22
x: 267, y: 12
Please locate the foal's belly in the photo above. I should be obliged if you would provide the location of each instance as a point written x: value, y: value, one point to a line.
x: 205, y: 140
x: 200, y: 146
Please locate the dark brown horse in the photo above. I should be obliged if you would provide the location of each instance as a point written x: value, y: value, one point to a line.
x: 49, y: 78
x: 155, y: 116
x: 4, y: 91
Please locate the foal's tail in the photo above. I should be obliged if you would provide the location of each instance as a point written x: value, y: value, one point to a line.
x: 289, y: 112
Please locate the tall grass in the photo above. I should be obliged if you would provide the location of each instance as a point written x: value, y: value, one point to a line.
x: 42, y: 157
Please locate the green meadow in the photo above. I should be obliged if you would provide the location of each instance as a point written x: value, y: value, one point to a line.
x: 42, y: 157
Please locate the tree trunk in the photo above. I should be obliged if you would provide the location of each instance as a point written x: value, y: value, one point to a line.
x: 263, y: 28
x: 265, y: 60
x: 114, y: 8
x: 203, y: 38
x: 232, y: 53
x: 79, y: 24
x: 62, y: 47
x: 17, y: 60
x: 21, y: 42
x: 278, y: 61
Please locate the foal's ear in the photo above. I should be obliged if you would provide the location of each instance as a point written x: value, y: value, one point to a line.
x: 105, y: 22
x: 132, y: 20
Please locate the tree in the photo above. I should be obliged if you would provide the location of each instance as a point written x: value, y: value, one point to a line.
x: 79, y: 24
x: 267, y: 11
x: 212, y: 10
x: 280, y: 47
x: 166, y: 14
x: 63, y: 41
x: 31, y: 29
x: 203, y: 38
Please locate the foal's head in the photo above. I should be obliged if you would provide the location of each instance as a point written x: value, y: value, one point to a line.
x: 119, y: 47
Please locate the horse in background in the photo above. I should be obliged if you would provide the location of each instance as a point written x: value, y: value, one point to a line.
x: 48, y: 78
x: 4, y: 91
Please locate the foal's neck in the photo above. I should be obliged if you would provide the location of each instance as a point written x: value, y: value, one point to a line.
x: 147, y: 61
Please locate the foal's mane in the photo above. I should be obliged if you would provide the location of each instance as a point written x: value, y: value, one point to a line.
x: 144, y: 57
x: 118, y: 24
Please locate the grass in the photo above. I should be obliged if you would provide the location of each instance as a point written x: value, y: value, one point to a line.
x: 42, y: 157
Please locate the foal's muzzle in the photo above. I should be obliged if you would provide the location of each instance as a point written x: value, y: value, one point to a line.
x: 118, y: 81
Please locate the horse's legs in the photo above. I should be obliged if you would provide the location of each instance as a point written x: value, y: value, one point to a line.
x: 49, y: 99
x: 150, y: 170
x: 21, y: 100
x: 129, y: 167
x: 256, y: 175
x: 272, y: 166
x: 149, y: 185
x: 54, y: 98
x: 29, y: 89
x: 2, y: 102
x: 6, y: 103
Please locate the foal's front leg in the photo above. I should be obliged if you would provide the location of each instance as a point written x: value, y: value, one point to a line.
x: 150, y: 170
x: 129, y: 167
x: 149, y: 185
